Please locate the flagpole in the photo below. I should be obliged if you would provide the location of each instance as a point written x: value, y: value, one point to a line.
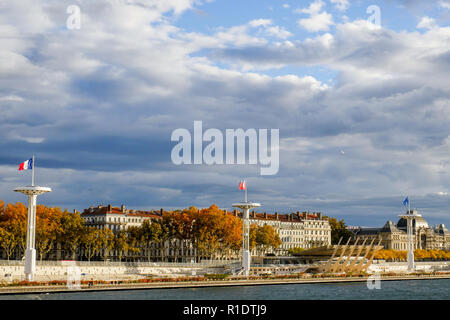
x: 32, y: 171
x: 245, y: 191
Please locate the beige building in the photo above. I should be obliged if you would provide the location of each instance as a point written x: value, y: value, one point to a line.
x: 118, y: 219
x: 115, y: 218
x: 394, y: 235
x: 304, y: 230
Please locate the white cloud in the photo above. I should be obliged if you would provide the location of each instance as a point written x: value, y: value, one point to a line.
x: 278, y: 32
x: 270, y: 29
x: 444, y: 4
x: 314, y: 8
x: 318, y: 21
x: 341, y: 5
x: 260, y: 22
x: 427, y: 23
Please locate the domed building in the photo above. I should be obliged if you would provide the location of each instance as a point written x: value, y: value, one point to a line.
x: 393, y: 236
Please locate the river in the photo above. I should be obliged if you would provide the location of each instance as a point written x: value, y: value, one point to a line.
x: 405, y: 289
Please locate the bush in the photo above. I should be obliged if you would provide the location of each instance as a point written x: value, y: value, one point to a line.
x: 216, y: 276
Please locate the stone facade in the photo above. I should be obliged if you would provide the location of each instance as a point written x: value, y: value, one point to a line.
x: 304, y: 230
x: 394, y: 235
x: 117, y: 219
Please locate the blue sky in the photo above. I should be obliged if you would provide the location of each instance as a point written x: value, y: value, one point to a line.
x: 362, y: 109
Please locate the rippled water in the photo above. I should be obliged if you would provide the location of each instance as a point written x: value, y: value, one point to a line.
x: 410, y: 289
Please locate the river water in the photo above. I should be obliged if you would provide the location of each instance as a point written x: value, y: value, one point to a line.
x: 405, y: 289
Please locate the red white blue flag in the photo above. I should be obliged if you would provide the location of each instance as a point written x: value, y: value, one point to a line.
x: 26, y: 165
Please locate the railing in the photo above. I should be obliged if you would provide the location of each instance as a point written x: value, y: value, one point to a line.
x: 205, y: 263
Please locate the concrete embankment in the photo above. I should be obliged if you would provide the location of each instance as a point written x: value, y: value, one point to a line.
x: 58, y: 270
x: 201, y: 284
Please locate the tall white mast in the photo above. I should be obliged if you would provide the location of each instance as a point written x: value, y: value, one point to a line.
x: 30, y: 252
x: 246, y: 206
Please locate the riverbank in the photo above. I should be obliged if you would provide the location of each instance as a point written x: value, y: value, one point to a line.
x: 17, y: 290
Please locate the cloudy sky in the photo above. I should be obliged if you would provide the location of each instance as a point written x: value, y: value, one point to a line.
x: 363, y: 109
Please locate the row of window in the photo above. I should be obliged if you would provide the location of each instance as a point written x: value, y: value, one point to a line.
x: 113, y: 219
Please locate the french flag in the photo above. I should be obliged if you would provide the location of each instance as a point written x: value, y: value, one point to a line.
x: 26, y: 165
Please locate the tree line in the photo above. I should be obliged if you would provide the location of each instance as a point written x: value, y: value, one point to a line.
x: 210, y: 233
x: 419, y: 255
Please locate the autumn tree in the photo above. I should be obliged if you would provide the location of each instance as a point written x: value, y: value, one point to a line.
x: 71, y: 233
x: 134, y: 241
x: 179, y: 227
x: 8, y: 242
x: 297, y: 251
x: 90, y: 242
x: 14, y: 220
x: 106, y: 243
x: 263, y: 238
x: 151, y: 233
x: 267, y: 237
x: 121, y: 243
x: 48, y: 225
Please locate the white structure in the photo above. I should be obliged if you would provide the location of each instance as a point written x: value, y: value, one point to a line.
x: 409, y: 217
x: 30, y: 253
x: 246, y: 206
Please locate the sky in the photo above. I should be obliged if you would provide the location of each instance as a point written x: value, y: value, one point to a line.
x: 359, y: 91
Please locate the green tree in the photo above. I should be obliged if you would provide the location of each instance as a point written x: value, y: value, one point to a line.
x: 338, y: 230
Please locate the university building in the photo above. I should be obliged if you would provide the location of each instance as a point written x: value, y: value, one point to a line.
x: 393, y: 235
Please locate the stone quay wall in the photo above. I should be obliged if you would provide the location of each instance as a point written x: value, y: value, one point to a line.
x: 72, y: 270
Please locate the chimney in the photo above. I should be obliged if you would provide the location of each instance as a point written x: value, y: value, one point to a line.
x: 289, y: 217
x: 276, y: 215
x: 265, y: 215
x: 122, y: 208
x: 235, y: 212
x: 161, y: 211
x: 320, y: 215
x: 109, y: 207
